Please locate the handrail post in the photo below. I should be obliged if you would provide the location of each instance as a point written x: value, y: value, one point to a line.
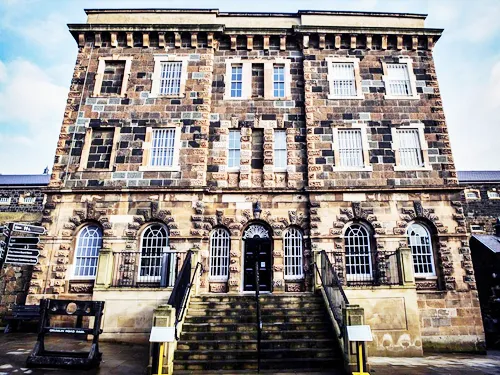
x: 259, y: 318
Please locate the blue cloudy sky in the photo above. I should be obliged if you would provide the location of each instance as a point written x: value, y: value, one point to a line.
x: 37, y: 55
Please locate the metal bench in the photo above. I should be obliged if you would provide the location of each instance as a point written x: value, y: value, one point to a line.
x: 19, y: 314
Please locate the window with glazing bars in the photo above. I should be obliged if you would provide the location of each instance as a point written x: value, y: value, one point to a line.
x: 293, y: 245
x: 154, y: 243
x: 88, y: 244
x: 410, y: 151
x: 344, y: 82
x: 236, y: 81
x: 170, y: 78
x: 350, y: 148
x: 163, y: 147
x: 234, y: 149
x: 279, y: 81
x: 421, y: 248
x: 358, y: 257
x: 280, y: 160
x: 219, y: 254
x: 398, y: 80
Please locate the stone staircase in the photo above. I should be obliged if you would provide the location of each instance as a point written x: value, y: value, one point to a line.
x: 220, y: 336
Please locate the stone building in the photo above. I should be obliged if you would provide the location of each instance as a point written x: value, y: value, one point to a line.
x: 314, y: 131
x: 21, y: 200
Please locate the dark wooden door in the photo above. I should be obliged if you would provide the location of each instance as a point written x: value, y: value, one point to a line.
x: 257, y: 251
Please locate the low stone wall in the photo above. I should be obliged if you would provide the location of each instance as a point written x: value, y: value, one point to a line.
x: 128, y: 313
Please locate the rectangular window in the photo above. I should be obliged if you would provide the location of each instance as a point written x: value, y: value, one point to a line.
x: 101, y: 147
x: 410, y: 151
x: 234, y: 149
x: 280, y: 149
x: 4, y: 200
x: 29, y: 200
x: 170, y: 78
x: 398, y: 80
x: 279, y: 81
x: 163, y: 147
x: 236, y: 81
x: 112, y: 79
x: 344, y: 82
x: 350, y: 148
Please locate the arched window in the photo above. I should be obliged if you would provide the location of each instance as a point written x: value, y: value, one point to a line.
x: 419, y: 240
x: 294, y: 249
x: 153, y: 244
x: 219, y: 254
x: 358, y: 256
x: 88, y: 244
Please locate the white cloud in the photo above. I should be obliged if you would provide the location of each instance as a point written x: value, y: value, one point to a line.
x: 3, y: 72
x: 50, y: 33
x: 494, y: 94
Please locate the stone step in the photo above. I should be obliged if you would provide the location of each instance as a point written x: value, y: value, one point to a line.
x: 303, y: 371
x: 279, y: 318
x: 249, y: 354
x: 250, y: 366
x: 237, y: 312
x: 203, y: 345
x: 271, y: 335
x: 250, y: 327
x: 252, y: 305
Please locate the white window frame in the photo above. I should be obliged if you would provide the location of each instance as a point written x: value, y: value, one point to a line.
x: 492, y: 193
x: 156, y: 78
x: 362, y: 127
x: 423, y: 148
x: 354, y: 257
x: 148, y: 146
x: 220, y: 247
x: 5, y: 200
x: 477, y: 230
x: 89, y: 253
x: 280, y: 81
x: 100, y: 74
x: 293, y: 246
x: 28, y: 200
x: 408, y: 62
x: 280, y: 148
x: 477, y: 194
x: 246, y: 89
x: 235, y: 168
x: 330, y: 60
x: 424, y: 250
x: 160, y: 251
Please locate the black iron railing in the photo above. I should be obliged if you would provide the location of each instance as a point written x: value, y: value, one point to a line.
x: 182, y: 288
x: 332, y: 286
x: 146, y: 270
x: 259, y: 317
x: 375, y: 268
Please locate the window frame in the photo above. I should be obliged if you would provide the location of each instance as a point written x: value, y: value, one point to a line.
x: 87, y: 143
x: 411, y: 76
x: 367, y: 167
x: 370, y: 246
x: 282, y: 66
x: 275, y: 149
x: 300, y: 256
x: 233, y: 168
x: 490, y: 192
x: 101, y: 67
x: 31, y: 200
x: 156, y: 77
x: 165, y: 249
x: 474, y: 191
x: 148, y: 146
x: 7, y: 202
x: 430, y: 252
x: 224, y: 250
x: 424, y: 149
x: 330, y: 60
x: 76, y: 255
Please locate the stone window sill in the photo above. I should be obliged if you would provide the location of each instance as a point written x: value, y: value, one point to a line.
x: 357, y: 97
x: 148, y: 168
x: 395, y: 97
x: 411, y: 169
x: 353, y: 169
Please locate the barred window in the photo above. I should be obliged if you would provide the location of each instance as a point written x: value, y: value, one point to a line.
x: 421, y: 247
x: 398, y: 80
x: 89, y: 242
x: 170, y: 78
x: 350, y: 148
x: 358, y: 260
x: 236, y: 81
x: 294, y: 246
x: 280, y: 157
x: 410, y: 150
x: 344, y: 82
x: 279, y: 81
x: 163, y: 147
x: 234, y: 149
x: 154, y: 242
x: 219, y: 254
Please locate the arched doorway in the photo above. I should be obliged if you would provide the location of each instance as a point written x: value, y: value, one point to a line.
x: 257, y: 252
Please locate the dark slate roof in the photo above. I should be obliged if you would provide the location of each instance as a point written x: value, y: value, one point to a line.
x: 24, y: 179
x: 478, y: 176
x: 491, y: 242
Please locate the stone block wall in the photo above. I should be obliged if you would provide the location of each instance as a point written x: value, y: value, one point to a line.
x: 483, y: 211
x: 17, y: 204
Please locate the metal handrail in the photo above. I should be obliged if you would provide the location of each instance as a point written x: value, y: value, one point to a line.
x: 334, y: 292
x: 181, y: 291
x: 259, y: 317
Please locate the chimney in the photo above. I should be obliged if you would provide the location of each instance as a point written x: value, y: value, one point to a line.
x: 497, y: 227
